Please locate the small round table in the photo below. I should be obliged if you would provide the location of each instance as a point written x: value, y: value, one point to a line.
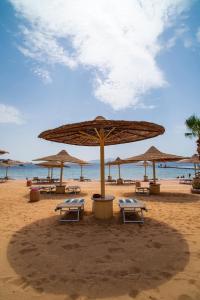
x: 103, y: 207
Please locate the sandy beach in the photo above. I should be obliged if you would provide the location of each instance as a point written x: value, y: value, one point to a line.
x: 41, y: 259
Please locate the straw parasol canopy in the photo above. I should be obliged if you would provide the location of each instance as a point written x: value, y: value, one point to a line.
x: 102, y: 132
x: 117, y: 162
x: 7, y: 163
x: 3, y: 152
x: 51, y: 164
x: 62, y: 157
x: 154, y: 155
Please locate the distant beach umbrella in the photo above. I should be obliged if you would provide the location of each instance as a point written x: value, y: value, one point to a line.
x: 81, y: 166
x: 102, y: 132
x: 194, y: 159
x: 154, y: 155
x: 117, y: 162
x: 3, y: 152
x: 51, y: 165
x: 62, y: 157
x: 7, y: 163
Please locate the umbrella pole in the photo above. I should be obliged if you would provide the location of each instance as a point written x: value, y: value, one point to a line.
x: 51, y: 173
x: 119, y: 171
x: 81, y: 171
x: 61, y: 174
x: 48, y: 172
x: 154, y: 172
x: 195, y: 170
x: 6, y: 172
x: 145, y: 169
x: 102, y: 170
x: 109, y: 170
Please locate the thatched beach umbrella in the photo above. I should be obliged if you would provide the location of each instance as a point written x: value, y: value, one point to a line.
x: 154, y: 155
x: 145, y: 164
x: 194, y: 159
x: 61, y: 157
x: 81, y: 166
x: 3, y: 152
x: 117, y: 162
x: 102, y: 132
x: 51, y: 165
x: 7, y: 163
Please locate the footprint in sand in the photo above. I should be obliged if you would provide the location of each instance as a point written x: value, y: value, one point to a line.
x: 27, y: 250
x: 107, y: 256
x: 52, y: 277
x: 72, y: 297
x: 185, y: 297
x: 135, y: 270
x: 191, y: 281
x: 115, y: 249
x: 165, y: 274
x: 157, y: 245
x: 71, y: 246
x: 133, y: 293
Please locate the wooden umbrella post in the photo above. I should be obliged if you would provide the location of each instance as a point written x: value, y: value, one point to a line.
x: 155, y: 187
x: 109, y: 170
x: 60, y: 189
x: 51, y: 173
x: 81, y: 177
x: 154, y: 172
x: 145, y: 171
x: 195, y: 170
x: 102, y: 170
x: 48, y: 172
x: 61, y: 173
x: 119, y: 171
x: 6, y: 172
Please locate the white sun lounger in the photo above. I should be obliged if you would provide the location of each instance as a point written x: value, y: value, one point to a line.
x: 74, y: 189
x: 71, y: 205
x: 131, y: 207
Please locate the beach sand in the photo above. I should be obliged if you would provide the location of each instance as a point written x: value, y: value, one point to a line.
x: 42, y: 259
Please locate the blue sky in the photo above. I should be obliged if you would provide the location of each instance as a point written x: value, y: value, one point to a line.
x: 134, y: 62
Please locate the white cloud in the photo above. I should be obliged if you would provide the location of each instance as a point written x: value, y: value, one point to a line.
x: 117, y: 40
x: 10, y: 114
x: 43, y: 74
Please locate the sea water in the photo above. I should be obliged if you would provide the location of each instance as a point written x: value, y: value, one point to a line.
x: 129, y: 171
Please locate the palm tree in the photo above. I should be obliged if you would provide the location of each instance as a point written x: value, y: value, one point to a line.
x: 193, y: 125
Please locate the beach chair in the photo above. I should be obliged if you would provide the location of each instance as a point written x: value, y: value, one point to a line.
x: 142, y: 190
x: 132, y: 208
x: 71, y: 207
x: 73, y: 189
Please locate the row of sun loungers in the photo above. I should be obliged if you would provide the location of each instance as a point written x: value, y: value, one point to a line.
x: 37, y: 180
x: 185, y: 181
x: 71, y: 189
x: 3, y: 179
x: 124, y: 181
x: 131, y: 210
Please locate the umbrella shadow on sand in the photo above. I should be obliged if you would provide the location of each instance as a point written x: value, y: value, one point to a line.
x: 96, y: 260
x: 165, y: 197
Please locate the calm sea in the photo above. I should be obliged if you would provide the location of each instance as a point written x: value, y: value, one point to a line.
x: 130, y: 171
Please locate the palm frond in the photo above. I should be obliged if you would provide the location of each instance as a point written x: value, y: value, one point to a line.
x: 193, y: 125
